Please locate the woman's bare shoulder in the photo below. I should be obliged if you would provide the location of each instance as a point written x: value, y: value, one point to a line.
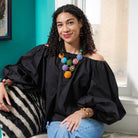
x: 95, y: 56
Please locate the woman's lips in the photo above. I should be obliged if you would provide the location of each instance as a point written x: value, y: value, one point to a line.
x: 67, y: 35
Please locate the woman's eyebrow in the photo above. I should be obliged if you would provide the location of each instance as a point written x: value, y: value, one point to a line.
x: 66, y: 20
x: 70, y: 19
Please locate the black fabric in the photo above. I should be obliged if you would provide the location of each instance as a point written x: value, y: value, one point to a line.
x: 92, y: 85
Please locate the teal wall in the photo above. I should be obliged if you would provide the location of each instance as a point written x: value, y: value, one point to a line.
x: 44, y: 11
x: 23, y: 32
x: 31, y: 21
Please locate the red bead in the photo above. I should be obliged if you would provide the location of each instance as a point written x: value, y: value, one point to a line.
x: 75, y: 61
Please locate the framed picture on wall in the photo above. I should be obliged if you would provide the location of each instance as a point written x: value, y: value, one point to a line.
x: 5, y: 20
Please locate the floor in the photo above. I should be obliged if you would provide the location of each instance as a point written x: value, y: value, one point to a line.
x: 106, y: 135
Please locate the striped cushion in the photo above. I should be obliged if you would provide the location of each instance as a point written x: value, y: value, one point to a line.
x: 25, y: 117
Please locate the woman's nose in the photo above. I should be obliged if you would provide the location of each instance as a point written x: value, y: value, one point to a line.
x: 65, y: 28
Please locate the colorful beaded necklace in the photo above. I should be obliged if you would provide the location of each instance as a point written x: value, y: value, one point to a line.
x: 68, y: 64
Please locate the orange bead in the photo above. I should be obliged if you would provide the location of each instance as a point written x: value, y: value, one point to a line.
x: 61, y: 55
x: 67, y: 74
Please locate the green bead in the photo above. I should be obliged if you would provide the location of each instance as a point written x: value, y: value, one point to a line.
x: 69, y: 62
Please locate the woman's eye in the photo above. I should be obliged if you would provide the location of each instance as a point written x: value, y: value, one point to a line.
x: 59, y: 25
x: 70, y: 22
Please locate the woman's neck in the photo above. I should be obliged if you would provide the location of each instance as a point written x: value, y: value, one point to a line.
x: 74, y: 49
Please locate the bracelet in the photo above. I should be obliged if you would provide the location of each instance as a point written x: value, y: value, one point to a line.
x: 87, y: 111
x: 5, y: 82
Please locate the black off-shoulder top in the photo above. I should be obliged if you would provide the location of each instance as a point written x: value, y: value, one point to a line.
x: 92, y: 85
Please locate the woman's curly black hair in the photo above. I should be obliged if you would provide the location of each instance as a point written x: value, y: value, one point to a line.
x: 86, y: 39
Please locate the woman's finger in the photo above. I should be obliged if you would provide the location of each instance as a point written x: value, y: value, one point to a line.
x: 3, y: 107
x: 65, y: 120
x: 7, y: 99
x: 75, y: 127
x: 68, y: 124
x: 71, y: 125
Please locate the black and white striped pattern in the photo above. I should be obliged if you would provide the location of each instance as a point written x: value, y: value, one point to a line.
x: 25, y: 116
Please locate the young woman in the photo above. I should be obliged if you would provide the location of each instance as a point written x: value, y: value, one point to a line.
x: 78, y: 87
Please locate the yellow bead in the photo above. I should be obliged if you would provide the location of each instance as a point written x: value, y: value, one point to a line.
x: 72, y: 68
x: 67, y: 74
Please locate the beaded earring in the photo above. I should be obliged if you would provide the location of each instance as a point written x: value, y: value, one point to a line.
x: 59, y: 39
x: 68, y: 64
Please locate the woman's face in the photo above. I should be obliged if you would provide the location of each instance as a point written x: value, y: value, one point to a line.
x: 68, y: 27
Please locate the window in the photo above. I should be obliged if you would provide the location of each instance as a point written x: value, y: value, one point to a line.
x: 109, y: 19
x: 115, y: 30
x: 115, y: 33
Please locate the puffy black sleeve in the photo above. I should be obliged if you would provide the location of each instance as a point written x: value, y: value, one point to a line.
x: 102, y: 95
x: 27, y: 73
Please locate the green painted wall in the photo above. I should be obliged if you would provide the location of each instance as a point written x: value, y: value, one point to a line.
x: 44, y: 11
x: 31, y: 22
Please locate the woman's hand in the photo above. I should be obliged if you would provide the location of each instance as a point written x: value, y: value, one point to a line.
x: 73, y: 121
x: 4, y: 94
